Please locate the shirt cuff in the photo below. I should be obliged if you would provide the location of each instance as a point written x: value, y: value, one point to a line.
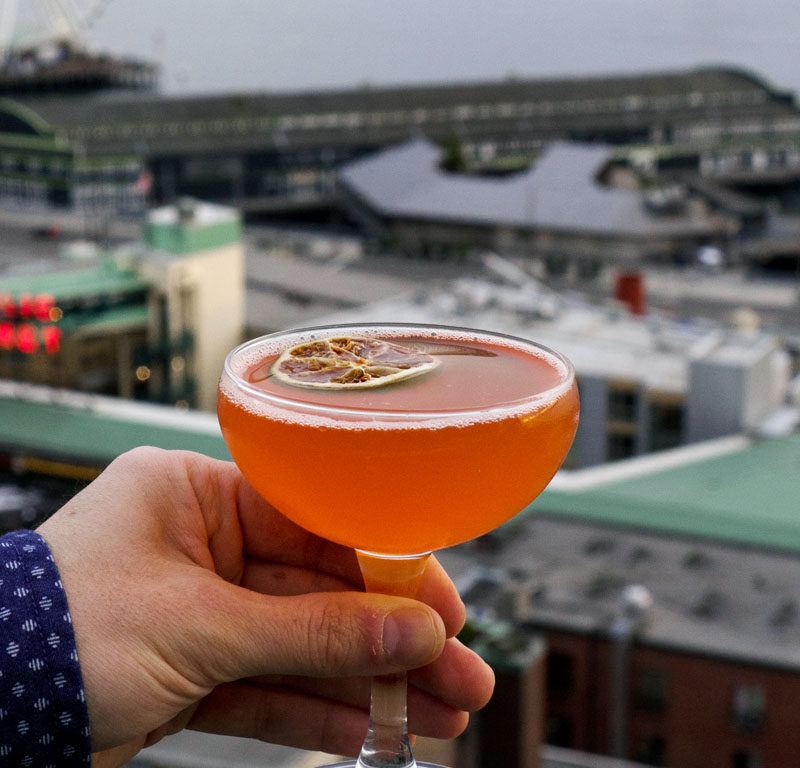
x: 44, y: 722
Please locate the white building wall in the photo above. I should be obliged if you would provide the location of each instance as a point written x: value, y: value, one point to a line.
x: 205, y: 295
x: 216, y: 280
x: 731, y: 390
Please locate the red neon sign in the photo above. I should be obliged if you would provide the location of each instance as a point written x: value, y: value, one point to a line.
x: 42, y: 305
x: 51, y: 336
x: 7, y: 335
x: 27, y: 339
x: 38, y: 312
x: 8, y: 306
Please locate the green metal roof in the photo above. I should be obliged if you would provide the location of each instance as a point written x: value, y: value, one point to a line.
x: 179, y: 238
x: 74, y: 283
x: 89, y: 430
x: 749, y: 496
x: 109, y: 320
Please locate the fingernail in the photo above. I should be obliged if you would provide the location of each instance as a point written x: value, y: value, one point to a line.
x: 409, y: 636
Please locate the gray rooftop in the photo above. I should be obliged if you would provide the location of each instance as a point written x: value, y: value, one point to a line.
x: 702, y: 82
x: 560, y: 191
x: 119, y: 121
x: 603, y: 341
x: 726, y: 601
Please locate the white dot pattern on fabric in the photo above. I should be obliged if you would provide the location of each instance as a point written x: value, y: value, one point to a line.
x: 43, y: 718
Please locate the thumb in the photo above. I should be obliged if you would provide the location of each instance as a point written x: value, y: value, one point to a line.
x: 318, y: 634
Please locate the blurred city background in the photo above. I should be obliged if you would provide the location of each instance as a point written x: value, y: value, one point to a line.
x: 619, y: 180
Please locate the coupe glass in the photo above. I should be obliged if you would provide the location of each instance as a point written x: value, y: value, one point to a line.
x: 400, y: 470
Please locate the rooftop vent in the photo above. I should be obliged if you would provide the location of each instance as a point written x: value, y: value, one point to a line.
x: 598, y: 545
x: 539, y: 593
x: 695, y: 559
x: 709, y: 605
x: 604, y: 585
x: 491, y: 543
x: 784, y: 614
x: 759, y: 582
x: 482, y: 591
x: 186, y: 208
x: 637, y: 600
x: 518, y: 573
x: 640, y: 554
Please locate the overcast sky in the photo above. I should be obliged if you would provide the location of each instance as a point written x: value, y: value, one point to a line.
x: 213, y: 45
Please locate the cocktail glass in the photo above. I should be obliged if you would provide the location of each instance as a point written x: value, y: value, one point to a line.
x: 435, y: 459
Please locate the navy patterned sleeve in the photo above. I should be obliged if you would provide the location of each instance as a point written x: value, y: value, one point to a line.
x: 44, y: 722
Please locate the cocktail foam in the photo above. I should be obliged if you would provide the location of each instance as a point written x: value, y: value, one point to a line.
x: 284, y: 408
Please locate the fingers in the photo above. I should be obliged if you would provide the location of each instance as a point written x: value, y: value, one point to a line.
x: 268, y: 536
x: 439, y: 592
x: 280, y: 716
x: 238, y: 633
x: 271, y: 578
x: 307, y: 720
x: 461, y: 678
x: 458, y: 680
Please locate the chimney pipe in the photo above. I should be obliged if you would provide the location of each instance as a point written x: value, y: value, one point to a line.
x: 636, y: 603
x: 630, y: 290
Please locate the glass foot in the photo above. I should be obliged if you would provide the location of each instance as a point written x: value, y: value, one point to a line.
x: 355, y: 764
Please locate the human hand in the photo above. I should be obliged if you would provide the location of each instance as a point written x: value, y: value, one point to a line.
x: 195, y: 604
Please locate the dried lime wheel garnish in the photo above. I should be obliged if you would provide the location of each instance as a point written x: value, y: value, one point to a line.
x: 350, y: 363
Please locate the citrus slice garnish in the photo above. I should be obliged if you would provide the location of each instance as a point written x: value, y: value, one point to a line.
x: 344, y: 362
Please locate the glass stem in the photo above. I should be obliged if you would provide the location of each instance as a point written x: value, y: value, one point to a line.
x: 386, y: 743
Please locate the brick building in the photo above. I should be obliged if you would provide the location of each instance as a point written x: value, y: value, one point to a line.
x: 665, y: 590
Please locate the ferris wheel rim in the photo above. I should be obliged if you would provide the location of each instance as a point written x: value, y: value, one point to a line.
x: 65, y: 21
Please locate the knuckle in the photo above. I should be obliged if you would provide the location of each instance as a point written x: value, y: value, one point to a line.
x: 334, y: 637
x: 141, y: 454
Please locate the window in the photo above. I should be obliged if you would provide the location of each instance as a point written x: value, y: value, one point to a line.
x: 651, y: 690
x: 667, y: 425
x: 745, y: 759
x: 560, y: 674
x: 620, y: 446
x: 748, y: 707
x: 558, y: 731
x: 622, y: 402
x: 651, y: 750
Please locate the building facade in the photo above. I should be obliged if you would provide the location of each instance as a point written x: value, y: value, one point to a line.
x: 559, y: 212
x: 153, y: 320
x: 665, y: 593
x: 267, y: 151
